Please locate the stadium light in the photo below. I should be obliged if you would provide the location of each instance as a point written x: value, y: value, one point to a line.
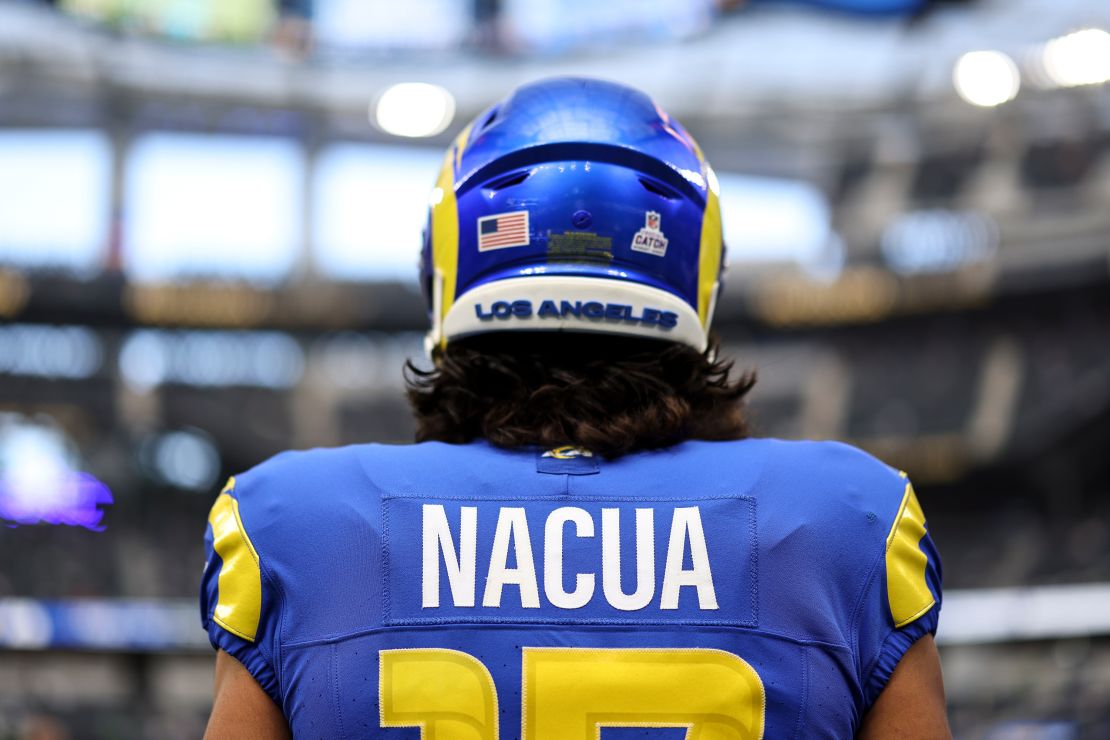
x: 211, y: 359
x: 414, y: 109
x: 64, y: 352
x: 938, y: 240
x: 986, y: 78
x: 186, y: 459
x: 1079, y: 58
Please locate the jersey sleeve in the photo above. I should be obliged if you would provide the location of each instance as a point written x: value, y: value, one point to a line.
x: 238, y: 602
x: 902, y: 601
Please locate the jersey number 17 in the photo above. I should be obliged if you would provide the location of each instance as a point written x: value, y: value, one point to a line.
x: 572, y: 693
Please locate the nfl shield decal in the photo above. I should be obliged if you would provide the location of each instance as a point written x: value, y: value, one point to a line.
x: 650, y: 239
x: 503, y: 230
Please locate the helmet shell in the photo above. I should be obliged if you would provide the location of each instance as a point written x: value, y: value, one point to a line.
x: 573, y: 205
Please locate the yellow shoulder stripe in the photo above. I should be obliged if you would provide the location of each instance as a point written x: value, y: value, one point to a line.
x: 906, y: 588
x: 240, y: 584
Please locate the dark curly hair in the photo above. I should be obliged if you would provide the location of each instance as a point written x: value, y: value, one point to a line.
x: 611, y: 395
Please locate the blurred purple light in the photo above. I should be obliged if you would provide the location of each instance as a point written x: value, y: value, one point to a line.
x: 74, y: 500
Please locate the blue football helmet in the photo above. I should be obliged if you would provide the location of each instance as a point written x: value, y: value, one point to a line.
x: 573, y: 205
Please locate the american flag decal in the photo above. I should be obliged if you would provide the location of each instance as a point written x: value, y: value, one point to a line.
x: 503, y: 230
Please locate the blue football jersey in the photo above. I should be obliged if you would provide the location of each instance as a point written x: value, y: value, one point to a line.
x: 710, y: 590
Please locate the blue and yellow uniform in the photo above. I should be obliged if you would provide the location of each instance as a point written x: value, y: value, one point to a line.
x: 734, y: 590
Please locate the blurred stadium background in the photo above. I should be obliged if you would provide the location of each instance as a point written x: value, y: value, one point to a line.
x: 209, y: 219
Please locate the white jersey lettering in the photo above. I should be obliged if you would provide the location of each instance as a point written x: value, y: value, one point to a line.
x: 512, y: 542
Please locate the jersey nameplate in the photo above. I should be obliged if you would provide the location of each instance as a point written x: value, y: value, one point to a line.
x: 570, y: 560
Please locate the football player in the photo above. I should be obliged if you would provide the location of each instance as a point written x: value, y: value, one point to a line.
x: 585, y: 544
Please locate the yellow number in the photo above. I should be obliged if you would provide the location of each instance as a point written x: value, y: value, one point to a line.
x: 571, y: 693
x: 448, y: 694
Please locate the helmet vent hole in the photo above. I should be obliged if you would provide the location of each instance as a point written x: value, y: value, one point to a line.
x: 490, y: 119
x: 509, y: 181
x: 653, y: 187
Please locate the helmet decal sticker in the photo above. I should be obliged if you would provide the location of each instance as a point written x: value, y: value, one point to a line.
x: 580, y: 245
x: 503, y: 230
x: 650, y: 239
